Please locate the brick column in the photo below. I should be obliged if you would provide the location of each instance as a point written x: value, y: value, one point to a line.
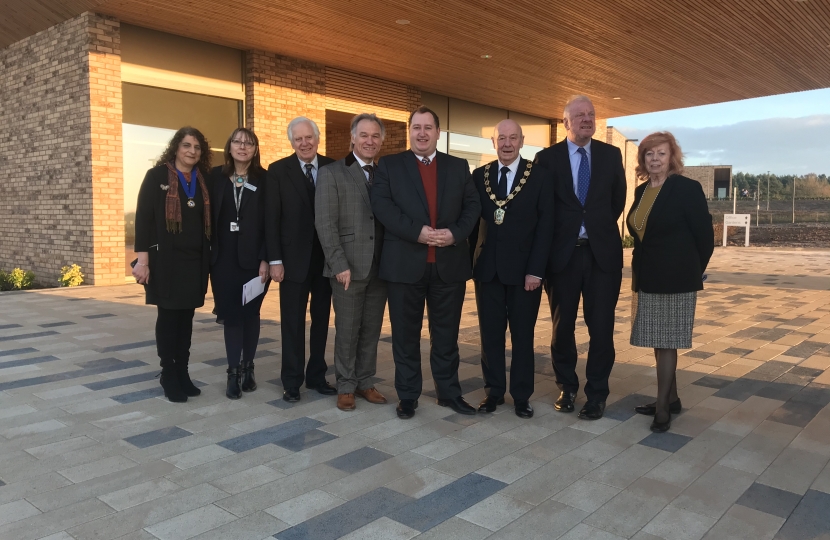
x: 106, y: 151
x: 63, y: 201
x: 277, y: 89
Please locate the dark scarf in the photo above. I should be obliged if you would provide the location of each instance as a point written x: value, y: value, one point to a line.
x: 173, y: 207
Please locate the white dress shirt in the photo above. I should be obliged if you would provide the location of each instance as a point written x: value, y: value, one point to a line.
x: 430, y: 157
x: 511, y: 173
x: 363, y: 164
x: 576, y: 160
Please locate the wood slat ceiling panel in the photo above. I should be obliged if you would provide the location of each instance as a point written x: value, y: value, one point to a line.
x: 653, y: 54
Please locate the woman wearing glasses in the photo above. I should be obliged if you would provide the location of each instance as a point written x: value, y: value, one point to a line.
x: 238, y: 253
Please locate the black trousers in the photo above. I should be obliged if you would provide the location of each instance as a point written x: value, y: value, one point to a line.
x: 599, y: 290
x: 241, y: 339
x: 293, y: 306
x: 498, y: 306
x: 174, y: 329
x: 406, y: 314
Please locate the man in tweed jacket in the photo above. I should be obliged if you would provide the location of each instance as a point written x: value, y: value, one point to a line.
x: 352, y: 239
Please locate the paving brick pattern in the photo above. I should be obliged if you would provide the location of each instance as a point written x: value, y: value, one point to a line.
x: 89, y: 448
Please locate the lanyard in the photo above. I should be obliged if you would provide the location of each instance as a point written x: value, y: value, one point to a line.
x: 237, y: 198
x: 188, y: 187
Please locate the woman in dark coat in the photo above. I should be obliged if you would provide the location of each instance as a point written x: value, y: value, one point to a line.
x: 673, y: 241
x: 238, y: 253
x: 172, y: 242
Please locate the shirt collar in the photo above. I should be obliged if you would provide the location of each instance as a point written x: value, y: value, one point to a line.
x: 303, y: 163
x: 360, y: 161
x: 431, y: 157
x: 573, y: 147
x: 513, y: 166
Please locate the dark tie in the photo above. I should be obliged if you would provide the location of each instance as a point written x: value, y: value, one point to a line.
x: 426, y: 161
x: 371, y: 170
x: 308, y: 168
x: 583, y: 177
x: 501, y: 193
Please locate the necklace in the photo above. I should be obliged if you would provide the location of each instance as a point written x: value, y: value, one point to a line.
x: 637, y: 211
x: 498, y: 215
x: 240, y: 178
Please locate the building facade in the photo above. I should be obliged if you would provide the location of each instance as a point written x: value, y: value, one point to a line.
x: 715, y: 179
x: 90, y: 103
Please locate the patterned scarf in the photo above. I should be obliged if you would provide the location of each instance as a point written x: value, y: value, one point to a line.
x: 173, y: 208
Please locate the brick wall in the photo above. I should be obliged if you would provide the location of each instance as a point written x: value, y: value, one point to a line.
x: 338, y: 141
x: 397, y: 138
x: 277, y: 89
x: 62, y: 199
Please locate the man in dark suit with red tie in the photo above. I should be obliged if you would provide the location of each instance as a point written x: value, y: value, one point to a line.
x: 296, y: 260
x: 586, y: 256
x: 428, y: 205
x: 512, y: 248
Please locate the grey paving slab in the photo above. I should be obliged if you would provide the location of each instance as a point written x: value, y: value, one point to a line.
x: 769, y: 500
x: 670, y: 442
x: 809, y: 520
x: 359, y: 459
x: 347, y: 517
x: 270, y: 435
x: 440, y: 505
x: 158, y: 436
x: 305, y: 440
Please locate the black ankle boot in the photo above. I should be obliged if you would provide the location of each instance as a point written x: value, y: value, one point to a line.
x: 169, y: 381
x: 233, y: 391
x: 189, y: 389
x: 248, y: 381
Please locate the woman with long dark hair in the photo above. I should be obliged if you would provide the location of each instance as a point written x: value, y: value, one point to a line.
x: 172, y: 242
x: 238, y: 253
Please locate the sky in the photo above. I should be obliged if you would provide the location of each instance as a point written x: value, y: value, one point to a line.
x: 783, y: 134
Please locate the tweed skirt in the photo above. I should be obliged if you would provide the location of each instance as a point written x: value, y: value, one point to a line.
x: 663, y: 321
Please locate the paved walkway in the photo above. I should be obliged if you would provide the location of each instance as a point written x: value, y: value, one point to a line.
x: 88, y: 449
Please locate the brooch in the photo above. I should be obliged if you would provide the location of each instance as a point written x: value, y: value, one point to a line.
x: 165, y: 187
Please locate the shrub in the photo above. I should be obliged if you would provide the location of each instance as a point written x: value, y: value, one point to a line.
x: 20, y: 279
x: 5, y: 284
x: 71, y: 276
x: 628, y: 241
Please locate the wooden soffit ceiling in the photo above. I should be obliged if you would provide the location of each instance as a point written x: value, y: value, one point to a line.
x: 651, y: 54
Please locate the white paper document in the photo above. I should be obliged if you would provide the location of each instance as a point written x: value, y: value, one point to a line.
x: 252, y: 289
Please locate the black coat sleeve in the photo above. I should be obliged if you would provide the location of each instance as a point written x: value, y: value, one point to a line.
x: 470, y: 212
x: 543, y: 235
x: 699, y: 221
x: 620, y: 185
x: 145, y: 221
x: 273, y: 214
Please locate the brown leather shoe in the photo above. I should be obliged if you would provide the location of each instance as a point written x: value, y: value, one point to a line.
x: 371, y: 395
x: 345, y: 402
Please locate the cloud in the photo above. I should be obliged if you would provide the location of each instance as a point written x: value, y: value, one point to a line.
x: 779, y: 145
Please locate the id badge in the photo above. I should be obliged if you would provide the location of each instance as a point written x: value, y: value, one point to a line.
x: 234, y: 226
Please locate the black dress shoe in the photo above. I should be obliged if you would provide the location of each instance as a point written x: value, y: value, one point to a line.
x: 458, y: 405
x: 248, y: 383
x: 661, y: 427
x: 565, y: 403
x: 291, y: 395
x: 406, y: 408
x: 650, y: 408
x: 489, y: 404
x: 592, y: 410
x: 523, y: 409
x: 324, y: 388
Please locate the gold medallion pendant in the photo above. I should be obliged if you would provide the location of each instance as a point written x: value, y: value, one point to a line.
x: 498, y: 216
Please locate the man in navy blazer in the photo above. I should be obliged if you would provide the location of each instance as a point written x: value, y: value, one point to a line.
x: 428, y: 205
x: 586, y: 256
x: 512, y: 245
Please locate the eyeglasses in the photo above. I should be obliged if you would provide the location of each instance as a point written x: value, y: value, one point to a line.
x: 246, y: 144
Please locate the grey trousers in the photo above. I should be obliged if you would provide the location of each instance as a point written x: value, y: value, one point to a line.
x: 358, y: 317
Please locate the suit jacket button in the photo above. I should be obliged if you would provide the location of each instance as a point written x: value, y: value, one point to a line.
x: 371, y: 238
x: 371, y: 218
x: 584, y: 212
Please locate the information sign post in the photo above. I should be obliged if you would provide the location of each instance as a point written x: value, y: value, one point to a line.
x: 736, y: 220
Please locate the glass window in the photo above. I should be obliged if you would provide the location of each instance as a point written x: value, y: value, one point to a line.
x: 150, y: 118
